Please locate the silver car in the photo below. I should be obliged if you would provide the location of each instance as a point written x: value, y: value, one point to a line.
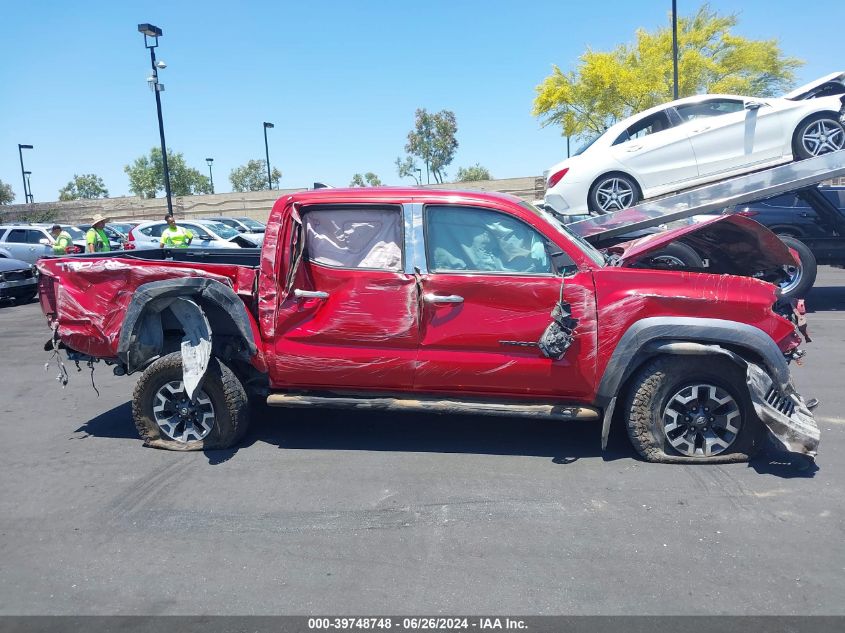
x: 207, y: 234
x: 30, y: 242
x: 251, y: 229
x: 18, y: 280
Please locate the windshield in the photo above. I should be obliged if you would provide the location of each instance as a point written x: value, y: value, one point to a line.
x: 226, y: 232
x: 251, y: 224
x: 121, y: 228
x: 588, y: 249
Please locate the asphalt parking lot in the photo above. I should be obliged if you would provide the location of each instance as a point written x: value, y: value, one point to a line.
x: 329, y: 513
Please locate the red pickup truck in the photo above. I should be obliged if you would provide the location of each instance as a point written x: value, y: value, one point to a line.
x: 447, y: 302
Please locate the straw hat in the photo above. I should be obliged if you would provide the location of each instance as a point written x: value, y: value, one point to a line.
x: 98, y: 218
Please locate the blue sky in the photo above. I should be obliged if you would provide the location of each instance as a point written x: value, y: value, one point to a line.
x: 340, y: 80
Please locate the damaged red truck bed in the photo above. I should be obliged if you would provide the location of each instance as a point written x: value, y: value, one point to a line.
x: 448, y: 302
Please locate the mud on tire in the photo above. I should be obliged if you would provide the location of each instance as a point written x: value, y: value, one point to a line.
x: 655, y: 402
x: 223, y: 393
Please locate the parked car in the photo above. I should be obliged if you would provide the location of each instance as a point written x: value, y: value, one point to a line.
x: 445, y: 302
x: 207, y: 234
x: 18, y: 280
x: 253, y: 230
x: 697, y: 140
x: 816, y: 233
x: 29, y: 242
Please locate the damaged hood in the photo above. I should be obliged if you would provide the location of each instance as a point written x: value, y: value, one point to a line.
x: 732, y: 244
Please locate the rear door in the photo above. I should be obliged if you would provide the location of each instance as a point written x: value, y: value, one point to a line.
x: 348, y: 319
x: 488, y: 289
x: 25, y: 244
x: 655, y: 152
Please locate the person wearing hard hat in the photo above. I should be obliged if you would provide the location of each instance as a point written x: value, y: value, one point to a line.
x: 174, y: 236
x: 62, y: 240
x: 96, y: 239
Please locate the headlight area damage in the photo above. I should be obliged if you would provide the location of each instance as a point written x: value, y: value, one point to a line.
x: 777, y: 404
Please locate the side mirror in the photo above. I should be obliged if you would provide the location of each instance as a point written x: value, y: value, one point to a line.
x: 753, y: 105
x: 205, y: 237
x: 561, y: 262
x: 241, y: 229
x: 44, y: 241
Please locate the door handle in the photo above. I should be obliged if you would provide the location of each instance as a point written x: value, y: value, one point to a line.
x: 310, y: 294
x: 634, y: 148
x: 703, y: 128
x: 433, y: 298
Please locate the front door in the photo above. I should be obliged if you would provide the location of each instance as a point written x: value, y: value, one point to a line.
x: 726, y: 136
x: 487, y: 296
x: 348, y: 318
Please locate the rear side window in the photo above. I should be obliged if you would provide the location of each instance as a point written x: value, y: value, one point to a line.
x: 653, y: 124
x: 18, y: 236
x: 357, y: 237
x: 467, y: 239
x: 153, y: 231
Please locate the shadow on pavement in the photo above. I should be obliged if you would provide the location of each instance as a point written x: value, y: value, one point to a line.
x: 562, y: 442
x: 826, y: 299
x: 116, y: 423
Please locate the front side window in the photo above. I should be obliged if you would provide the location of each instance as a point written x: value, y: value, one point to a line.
x: 35, y: 237
x: 153, y: 231
x: 709, y: 108
x: 468, y: 239
x: 651, y: 124
x: 354, y: 237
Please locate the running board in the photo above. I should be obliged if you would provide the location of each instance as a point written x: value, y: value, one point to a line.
x: 713, y: 198
x: 436, y: 405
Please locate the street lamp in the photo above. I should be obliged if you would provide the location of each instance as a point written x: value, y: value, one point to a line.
x: 210, y: 175
x: 675, y: 46
x: 26, y: 194
x: 419, y: 171
x: 153, y: 33
x: 267, y: 153
x: 28, y: 185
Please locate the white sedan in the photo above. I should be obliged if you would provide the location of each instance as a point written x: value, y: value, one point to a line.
x: 697, y: 140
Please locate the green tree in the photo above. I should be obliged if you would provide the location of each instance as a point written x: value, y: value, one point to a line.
x: 367, y: 180
x: 470, y: 174
x: 608, y: 86
x: 407, y: 168
x: 7, y: 196
x: 253, y: 176
x: 433, y: 141
x: 86, y: 186
x: 146, y: 176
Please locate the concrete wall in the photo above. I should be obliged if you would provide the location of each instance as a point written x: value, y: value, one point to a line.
x: 253, y: 204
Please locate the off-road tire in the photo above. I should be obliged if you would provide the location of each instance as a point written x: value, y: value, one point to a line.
x: 227, y: 395
x: 807, y: 265
x: 653, y: 386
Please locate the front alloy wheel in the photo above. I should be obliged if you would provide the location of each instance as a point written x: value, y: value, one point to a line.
x: 701, y: 420
x: 178, y: 417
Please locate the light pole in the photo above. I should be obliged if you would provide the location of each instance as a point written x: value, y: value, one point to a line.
x: 675, y: 46
x: 210, y: 175
x: 26, y: 194
x: 267, y: 153
x: 28, y: 185
x: 151, y: 31
x: 419, y: 171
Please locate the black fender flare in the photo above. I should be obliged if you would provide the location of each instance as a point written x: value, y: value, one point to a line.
x: 683, y: 335
x: 141, y: 335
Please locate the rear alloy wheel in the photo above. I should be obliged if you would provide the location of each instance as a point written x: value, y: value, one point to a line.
x: 165, y: 417
x: 680, y: 409
x: 800, y: 277
x: 613, y: 192
x: 675, y: 256
x: 818, y: 135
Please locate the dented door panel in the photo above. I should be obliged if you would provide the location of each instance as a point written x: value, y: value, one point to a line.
x: 488, y: 342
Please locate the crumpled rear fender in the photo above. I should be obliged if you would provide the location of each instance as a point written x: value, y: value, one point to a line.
x: 142, y: 337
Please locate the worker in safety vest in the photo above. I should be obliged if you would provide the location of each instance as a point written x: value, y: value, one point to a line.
x: 174, y: 236
x: 96, y: 239
x: 61, y: 240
